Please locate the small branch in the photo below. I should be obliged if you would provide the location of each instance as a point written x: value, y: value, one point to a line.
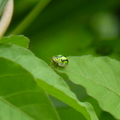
x: 6, y: 17
x: 31, y: 16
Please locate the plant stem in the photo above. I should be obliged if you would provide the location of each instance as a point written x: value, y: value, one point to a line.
x: 6, y: 17
x: 30, y: 18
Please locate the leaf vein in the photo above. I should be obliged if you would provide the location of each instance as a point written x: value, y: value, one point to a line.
x: 95, y: 82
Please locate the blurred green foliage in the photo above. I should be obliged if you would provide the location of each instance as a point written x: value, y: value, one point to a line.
x: 70, y: 27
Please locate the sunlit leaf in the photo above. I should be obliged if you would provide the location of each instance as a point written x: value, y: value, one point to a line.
x: 19, y: 40
x: 101, y: 78
x: 46, y: 78
x: 20, y: 97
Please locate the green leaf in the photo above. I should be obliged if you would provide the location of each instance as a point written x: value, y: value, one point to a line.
x: 10, y: 112
x: 19, y: 40
x: 46, y: 78
x: 101, y: 78
x: 20, y: 97
x: 2, y: 4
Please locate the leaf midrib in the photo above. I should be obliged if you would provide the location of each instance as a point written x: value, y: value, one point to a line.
x: 94, y: 82
x: 14, y: 107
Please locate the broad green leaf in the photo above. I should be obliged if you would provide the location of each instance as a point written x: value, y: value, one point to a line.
x: 20, y: 96
x: 19, y: 40
x: 10, y: 112
x: 101, y: 78
x: 46, y: 78
x: 2, y: 4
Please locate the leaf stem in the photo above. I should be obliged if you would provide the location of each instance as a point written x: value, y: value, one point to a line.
x: 30, y: 18
x: 6, y: 17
